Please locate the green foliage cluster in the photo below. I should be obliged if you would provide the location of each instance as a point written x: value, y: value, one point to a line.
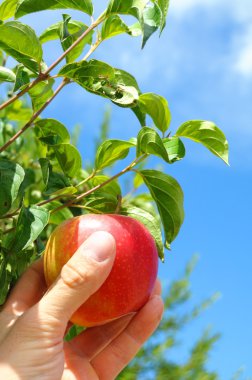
x: 46, y: 184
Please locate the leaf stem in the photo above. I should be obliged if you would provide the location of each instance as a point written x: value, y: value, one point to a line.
x: 87, y: 179
x: 90, y: 191
x: 34, y: 117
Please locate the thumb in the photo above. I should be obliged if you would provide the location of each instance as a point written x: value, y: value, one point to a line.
x: 80, y: 277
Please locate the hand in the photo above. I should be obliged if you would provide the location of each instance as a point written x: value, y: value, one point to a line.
x: 34, y: 321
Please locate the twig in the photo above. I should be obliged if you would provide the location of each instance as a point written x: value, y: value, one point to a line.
x: 34, y: 117
x: 45, y: 75
x: 81, y: 196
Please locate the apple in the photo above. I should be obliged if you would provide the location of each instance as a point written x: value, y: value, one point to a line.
x: 133, y: 274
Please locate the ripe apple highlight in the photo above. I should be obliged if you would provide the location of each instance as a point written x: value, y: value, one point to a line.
x: 132, y: 277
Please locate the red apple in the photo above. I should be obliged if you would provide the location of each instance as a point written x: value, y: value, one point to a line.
x: 132, y: 277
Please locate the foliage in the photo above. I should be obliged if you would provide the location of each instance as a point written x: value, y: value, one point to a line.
x: 42, y: 186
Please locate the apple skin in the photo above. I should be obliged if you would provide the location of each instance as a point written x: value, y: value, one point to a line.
x: 132, y: 278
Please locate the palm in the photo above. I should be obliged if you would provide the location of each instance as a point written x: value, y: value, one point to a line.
x: 97, y: 353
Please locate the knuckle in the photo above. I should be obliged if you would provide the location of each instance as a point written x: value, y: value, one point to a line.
x: 73, y: 277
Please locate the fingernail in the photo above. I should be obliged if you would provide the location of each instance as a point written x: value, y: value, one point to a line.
x: 101, y: 246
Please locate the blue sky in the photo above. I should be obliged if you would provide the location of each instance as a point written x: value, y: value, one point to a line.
x: 203, y: 65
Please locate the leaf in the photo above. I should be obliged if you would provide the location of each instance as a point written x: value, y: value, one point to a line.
x: 6, y: 75
x: 41, y: 93
x: 175, y: 148
x: 17, y: 111
x: 51, y: 132
x: 59, y: 216
x: 56, y: 183
x: 164, y: 6
x: 113, y: 26
x: 148, y: 14
x: 22, y: 78
x: 67, y: 39
x: 68, y: 158
x: 11, y: 178
x: 169, y: 198
x: 7, y: 9
x: 110, y: 151
x: 105, y: 199
x: 152, y: 20
x: 157, y: 107
x: 30, y: 6
x: 20, y: 41
x: 150, y: 222
x: 5, y: 278
x: 140, y: 115
x: 102, y: 79
x: 52, y: 32
x: 112, y: 187
x: 149, y: 141
x: 31, y: 222
x: 208, y: 134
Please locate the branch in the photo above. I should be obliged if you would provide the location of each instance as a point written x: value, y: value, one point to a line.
x: 34, y: 117
x: 81, y: 196
x: 45, y: 75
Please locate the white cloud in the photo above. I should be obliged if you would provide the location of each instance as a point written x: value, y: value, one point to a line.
x: 242, y: 53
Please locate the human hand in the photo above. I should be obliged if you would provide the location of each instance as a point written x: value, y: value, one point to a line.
x: 33, y: 322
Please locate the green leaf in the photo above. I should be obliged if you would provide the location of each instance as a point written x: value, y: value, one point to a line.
x: 17, y: 111
x: 41, y: 93
x: 148, y: 14
x: 67, y: 39
x: 52, y: 32
x: 157, y: 107
x: 20, y: 41
x: 22, y: 78
x: 104, y: 200
x: 140, y: 115
x: 30, y: 6
x: 152, y: 20
x: 150, y: 222
x: 164, y: 6
x: 102, y: 79
x: 31, y: 222
x: 56, y: 183
x: 68, y: 158
x: 113, y: 26
x: 169, y: 198
x: 149, y: 141
x: 5, y: 278
x: 6, y: 75
x: 59, y: 216
x: 45, y: 169
x: 110, y: 151
x: 11, y: 178
x: 7, y: 9
x: 208, y: 134
x: 175, y: 148
x: 112, y: 187
x: 51, y: 132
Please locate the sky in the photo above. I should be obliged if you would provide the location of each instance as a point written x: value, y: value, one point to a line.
x: 202, y: 64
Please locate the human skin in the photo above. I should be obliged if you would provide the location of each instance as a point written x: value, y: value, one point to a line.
x: 33, y: 322
x: 134, y: 272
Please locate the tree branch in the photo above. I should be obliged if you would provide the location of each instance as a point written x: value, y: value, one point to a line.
x: 34, y: 117
x: 45, y: 75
